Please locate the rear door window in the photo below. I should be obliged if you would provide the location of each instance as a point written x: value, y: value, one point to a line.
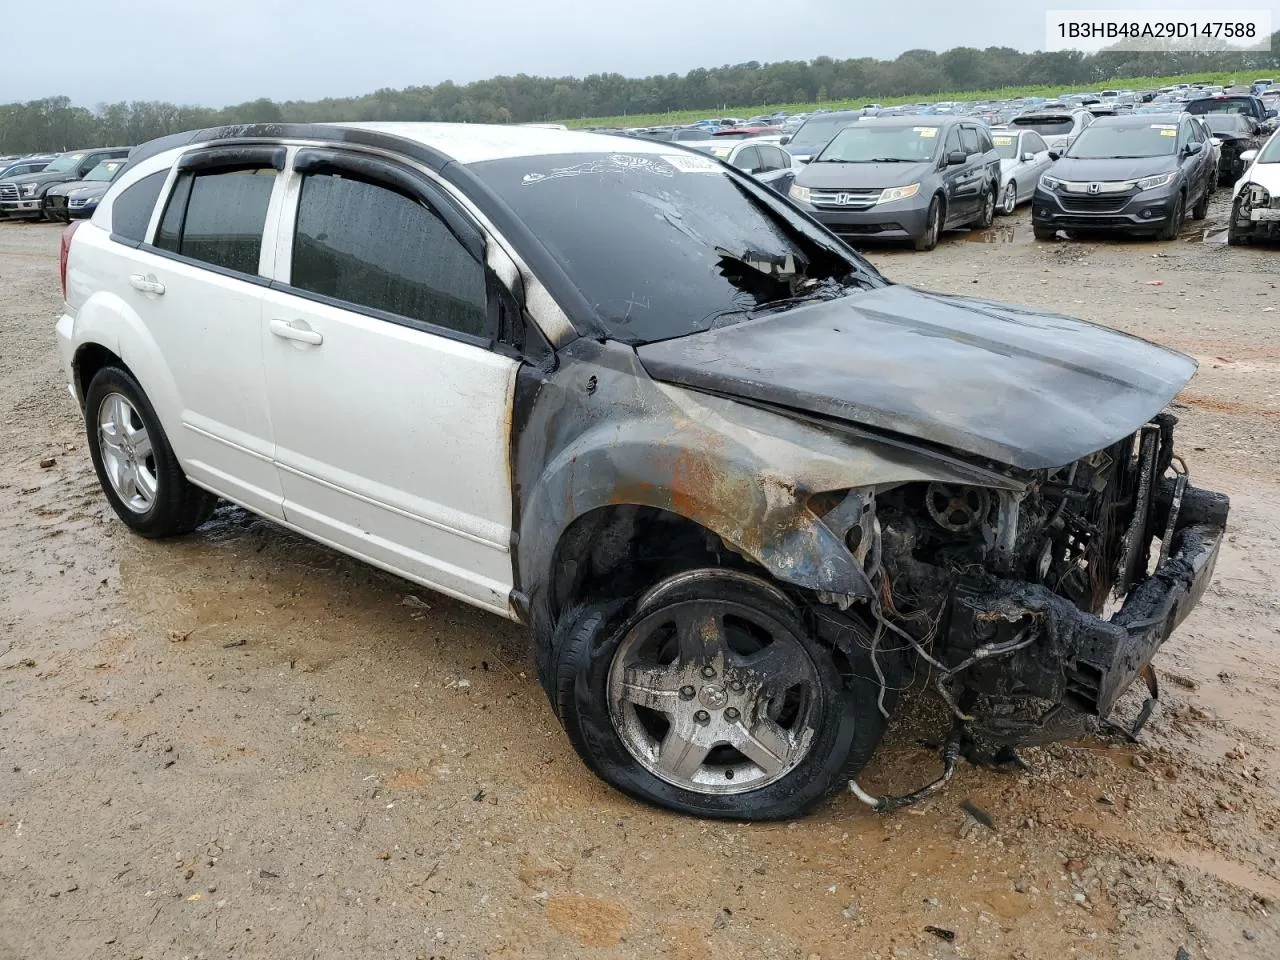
x: 217, y: 217
x: 370, y: 246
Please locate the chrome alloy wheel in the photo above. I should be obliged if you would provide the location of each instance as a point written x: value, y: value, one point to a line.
x: 127, y: 455
x: 714, y: 696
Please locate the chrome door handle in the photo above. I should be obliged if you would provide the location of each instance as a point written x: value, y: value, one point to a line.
x: 146, y: 284
x: 283, y: 328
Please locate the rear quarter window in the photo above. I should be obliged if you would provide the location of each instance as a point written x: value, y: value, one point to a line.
x: 131, y: 211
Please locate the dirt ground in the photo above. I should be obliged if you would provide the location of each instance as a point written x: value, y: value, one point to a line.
x: 244, y: 745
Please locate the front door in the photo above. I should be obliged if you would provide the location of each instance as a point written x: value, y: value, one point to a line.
x: 391, y: 412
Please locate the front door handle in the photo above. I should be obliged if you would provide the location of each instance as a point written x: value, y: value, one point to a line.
x: 146, y: 284
x: 285, y: 329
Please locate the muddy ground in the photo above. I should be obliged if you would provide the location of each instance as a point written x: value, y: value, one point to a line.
x: 242, y: 744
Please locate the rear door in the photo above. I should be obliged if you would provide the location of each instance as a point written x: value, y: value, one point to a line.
x: 391, y: 411
x: 198, y: 287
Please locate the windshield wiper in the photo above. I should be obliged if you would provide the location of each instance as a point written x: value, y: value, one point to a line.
x: 890, y: 160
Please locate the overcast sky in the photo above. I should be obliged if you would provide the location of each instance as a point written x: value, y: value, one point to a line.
x: 228, y: 51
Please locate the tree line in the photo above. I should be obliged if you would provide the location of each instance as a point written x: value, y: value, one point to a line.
x: 55, y: 123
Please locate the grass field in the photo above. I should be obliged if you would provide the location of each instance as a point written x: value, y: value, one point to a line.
x: 1006, y: 93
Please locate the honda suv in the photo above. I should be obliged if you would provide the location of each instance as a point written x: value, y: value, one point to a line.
x: 735, y: 481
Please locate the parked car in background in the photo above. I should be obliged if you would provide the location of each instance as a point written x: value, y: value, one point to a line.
x: 1024, y: 156
x: 1236, y: 134
x: 1255, y: 202
x: 23, y: 196
x: 1137, y: 174
x: 767, y: 162
x: 1058, y: 127
x: 816, y: 132
x: 705, y: 451
x: 891, y: 178
x: 16, y: 166
x: 1249, y: 106
x: 56, y: 198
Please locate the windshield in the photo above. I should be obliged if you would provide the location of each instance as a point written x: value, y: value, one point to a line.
x: 662, y: 246
x: 816, y: 133
x: 1006, y: 145
x: 1271, y: 152
x: 106, y: 170
x: 1045, y: 126
x: 873, y: 143
x: 1131, y: 142
x: 65, y: 163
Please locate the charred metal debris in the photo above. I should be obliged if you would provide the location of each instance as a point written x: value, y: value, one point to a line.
x: 1000, y: 595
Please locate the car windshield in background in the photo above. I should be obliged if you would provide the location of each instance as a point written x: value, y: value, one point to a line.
x: 106, y: 170
x: 1130, y: 142
x: 1045, y: 126
x: 65, y: 163
x: 665, y: 246
x: 872, y: 143
x: 817, y: 133
x: 1006, y: 145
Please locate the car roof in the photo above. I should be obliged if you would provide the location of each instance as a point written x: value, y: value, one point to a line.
x: 913, y: 121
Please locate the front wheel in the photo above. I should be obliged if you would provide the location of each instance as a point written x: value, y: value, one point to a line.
x: 713, y: 698
x: 932, y: 227
x: 1170, y: 230
x: 1043, y: 232
x: 1010, y: 201
x: 1235, y: 236
x: 136, y: 466
x: 987, y: 212
x: 1201, y: 209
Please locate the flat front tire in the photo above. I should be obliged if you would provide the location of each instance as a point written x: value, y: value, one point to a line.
x: 139, y: 473
x: 710, y: 697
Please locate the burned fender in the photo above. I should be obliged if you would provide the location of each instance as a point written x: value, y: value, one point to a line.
x: 599, y: 433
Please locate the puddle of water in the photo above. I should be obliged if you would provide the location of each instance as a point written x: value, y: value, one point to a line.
x: 995, y: 234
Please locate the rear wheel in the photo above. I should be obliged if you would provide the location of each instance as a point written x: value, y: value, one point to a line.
x: 1010, y: 201
x: 135, y: 464
x: 712, y: 698
x: 932, y: 227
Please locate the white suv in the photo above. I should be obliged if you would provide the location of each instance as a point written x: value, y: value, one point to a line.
x: 735, y: 481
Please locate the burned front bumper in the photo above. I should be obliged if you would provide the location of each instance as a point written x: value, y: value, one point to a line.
x: 1021, y: 640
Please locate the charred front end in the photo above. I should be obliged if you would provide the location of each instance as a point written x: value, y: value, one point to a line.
x: 1040, y: 607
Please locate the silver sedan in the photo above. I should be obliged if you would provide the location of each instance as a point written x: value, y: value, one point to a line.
x: 1024, y: 156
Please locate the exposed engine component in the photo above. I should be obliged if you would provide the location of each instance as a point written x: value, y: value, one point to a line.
x: 957, y: 509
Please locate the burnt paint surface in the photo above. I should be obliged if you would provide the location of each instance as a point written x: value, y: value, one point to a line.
x: 1017, y: 386
x: 598, y: 432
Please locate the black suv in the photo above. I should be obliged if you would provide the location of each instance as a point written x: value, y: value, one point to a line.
x: 1135, y: 174
x: 893, y: 178
x: 23, y: 197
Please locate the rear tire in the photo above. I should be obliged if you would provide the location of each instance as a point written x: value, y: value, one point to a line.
x: 830, y: 736
x: 932, y: 227
x: 139, y: 473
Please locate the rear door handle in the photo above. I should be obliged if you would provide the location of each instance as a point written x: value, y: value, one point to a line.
x: 146, y: 284
x: 283, y: 328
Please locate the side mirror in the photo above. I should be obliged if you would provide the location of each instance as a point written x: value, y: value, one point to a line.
x: 1192, y: 148
x: 1248, y: 156
x: 785, y: 139
x: 957, y: 157
x: 1028, y: 157
x: 1055, y: 155
x: 1272, y: 114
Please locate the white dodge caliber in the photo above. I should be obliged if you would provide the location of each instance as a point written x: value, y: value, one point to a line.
x: 737, y: 483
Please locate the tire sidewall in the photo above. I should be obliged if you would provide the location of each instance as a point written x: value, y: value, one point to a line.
x: 583, y: 665
x: 110, y: 380
x: 1010, y: 191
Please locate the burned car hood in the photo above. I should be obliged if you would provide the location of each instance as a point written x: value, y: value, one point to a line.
x: 839, y: 176
x: 1005, y: 383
